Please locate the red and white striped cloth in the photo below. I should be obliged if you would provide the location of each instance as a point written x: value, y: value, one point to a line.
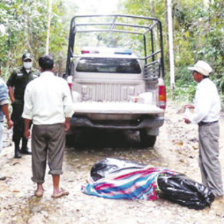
x: 128, y: 184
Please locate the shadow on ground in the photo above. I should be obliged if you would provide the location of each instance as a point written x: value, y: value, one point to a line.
x: 104, y: 138
x: 88, y: 147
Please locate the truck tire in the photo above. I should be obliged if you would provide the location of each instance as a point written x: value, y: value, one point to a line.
x: 147, y: 140
x: 69, y: 140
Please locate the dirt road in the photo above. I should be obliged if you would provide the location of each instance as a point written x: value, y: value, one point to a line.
x: 176, y: 149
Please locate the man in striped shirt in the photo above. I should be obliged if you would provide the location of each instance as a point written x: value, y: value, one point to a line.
x: 4, y: 101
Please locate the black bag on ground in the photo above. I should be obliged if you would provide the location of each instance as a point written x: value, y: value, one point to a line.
x: 109, y: 166
x: 184, y: 191
x: 175, y: 188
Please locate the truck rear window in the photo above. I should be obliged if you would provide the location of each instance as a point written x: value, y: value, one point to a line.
x: 109, y: 65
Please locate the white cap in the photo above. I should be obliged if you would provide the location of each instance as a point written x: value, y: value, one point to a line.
x: 202, y: 68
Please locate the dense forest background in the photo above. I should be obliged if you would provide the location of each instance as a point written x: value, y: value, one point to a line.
x: 198, y: 27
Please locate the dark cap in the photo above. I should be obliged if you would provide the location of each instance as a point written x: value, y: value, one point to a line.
x: 26, y: 56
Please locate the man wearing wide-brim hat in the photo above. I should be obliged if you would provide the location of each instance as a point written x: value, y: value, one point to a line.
x: 206, y: 114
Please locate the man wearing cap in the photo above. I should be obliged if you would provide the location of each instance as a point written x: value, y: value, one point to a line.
x: 17, y: 82
x: 206, y: 114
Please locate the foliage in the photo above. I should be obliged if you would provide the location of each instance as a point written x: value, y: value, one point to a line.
x: 184, y: 92
x: 26, y: 23
x: 198, y: 35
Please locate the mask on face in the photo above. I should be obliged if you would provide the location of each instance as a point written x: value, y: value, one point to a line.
x: 27, y: 65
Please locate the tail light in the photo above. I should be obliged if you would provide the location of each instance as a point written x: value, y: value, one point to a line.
x: 85, y: 52
x: 162, y: 94
x: 69, y: 80
x: 70, y: 86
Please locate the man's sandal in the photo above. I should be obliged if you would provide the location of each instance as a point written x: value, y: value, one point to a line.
x: 60, y: 194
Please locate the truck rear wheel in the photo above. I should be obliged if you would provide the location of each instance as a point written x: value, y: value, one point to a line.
x: 70, y: 140
x: 146, y: 139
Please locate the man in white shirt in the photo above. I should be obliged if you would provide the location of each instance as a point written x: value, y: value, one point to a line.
x: 48, y: 104
x: 207, y: 109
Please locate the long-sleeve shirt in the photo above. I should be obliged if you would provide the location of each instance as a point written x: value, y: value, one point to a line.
x: 4, y: 97
x: 206, y: 103
x: 47, y: 100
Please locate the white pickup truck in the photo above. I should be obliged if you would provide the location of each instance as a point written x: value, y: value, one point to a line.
x: 112, y: 88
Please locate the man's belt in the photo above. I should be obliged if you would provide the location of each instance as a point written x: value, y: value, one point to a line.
x: 206, y: 123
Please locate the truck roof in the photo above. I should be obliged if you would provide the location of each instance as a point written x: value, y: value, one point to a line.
x: 107, y: 55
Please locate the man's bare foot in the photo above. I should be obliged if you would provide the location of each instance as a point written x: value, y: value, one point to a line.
x: 39, y: 191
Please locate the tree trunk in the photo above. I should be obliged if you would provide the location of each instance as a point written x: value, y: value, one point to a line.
x: 170, y: 35
x: 48, y: 26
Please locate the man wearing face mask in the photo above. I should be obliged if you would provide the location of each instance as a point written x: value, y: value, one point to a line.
x: 17, y: 82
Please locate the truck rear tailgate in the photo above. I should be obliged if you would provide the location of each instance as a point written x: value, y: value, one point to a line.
x: 116, y: 108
